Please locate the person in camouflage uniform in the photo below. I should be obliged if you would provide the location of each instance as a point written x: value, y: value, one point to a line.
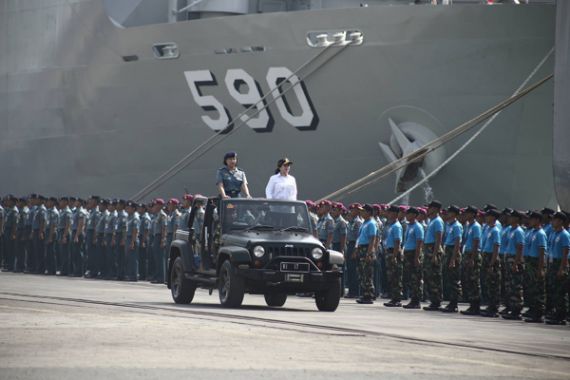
x: 413, y: 258
x: 515, y: 266
x: 452, y: 260
x: 354, y: 224
x: 491, y: 265
x: 394, y: 266
x: 472, y: 262
x: 432, y: 255
x: 365, y: 248
x: 535, y: 263
x: 557, y: 277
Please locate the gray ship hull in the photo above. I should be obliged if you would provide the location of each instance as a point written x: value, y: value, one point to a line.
x: 77, y: 119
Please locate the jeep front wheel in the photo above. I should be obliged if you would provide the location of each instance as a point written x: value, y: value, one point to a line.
x: 231, y: 287
x: 181, y: 288
x: 328, y: 300
x: 275, y: 299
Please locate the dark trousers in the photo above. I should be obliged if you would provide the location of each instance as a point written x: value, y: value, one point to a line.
x: 77, y: 256
x: 159, y: 259
x: 9, y: 248
x: 101, y: 251
x: 121, y: 262
x: 63, y: 262
x: 132, y: 262
x: 110, y: 266
x: 91, y: 252
x: 28, y: 247
x: 351, y: 275
x: 143, y: 260
x: 19, y: 252
x: 50, y: 256
x: 37, y: 253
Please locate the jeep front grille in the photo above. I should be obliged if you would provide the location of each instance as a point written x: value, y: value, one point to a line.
x: 282, y: 250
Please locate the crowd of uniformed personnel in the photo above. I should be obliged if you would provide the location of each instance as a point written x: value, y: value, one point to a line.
x: 94, y: 238
x: 511, y: 258
x: 486, y: 256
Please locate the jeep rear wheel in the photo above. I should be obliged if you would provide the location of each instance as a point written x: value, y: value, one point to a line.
x: 181, y: 288
x: 275, y: 299
x: 328, y: 300
x: 231, y: 287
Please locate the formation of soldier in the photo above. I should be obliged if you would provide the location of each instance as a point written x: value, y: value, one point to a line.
x: 487, y: 256
x: 94, y: 238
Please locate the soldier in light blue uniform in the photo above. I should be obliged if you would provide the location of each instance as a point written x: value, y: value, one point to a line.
x: 433, y: 252
x: 472, y: 262
x: 491, y: 266
x: 173, y: 221
x: 546, y: 220
x: 63, y: 260
x: 325, y: 224
x: 51, y: 235
x: 535, y: 252
x: 451, y: 266
x: 159, y: 241
x: 557, y: 276
x: 10, y: 232
x: 144, y: 233
x: 91, y: 237
x: 413, y: 258
x: 231, y: 181
x: 110, y: 243
x: 505, y: 229
x: 394, y: 267
x: 120, y: 238
x: 132, y: 242
x: 78, y: 234
x: 99, y: 242
x: 514, y: 267
x: 353, y: 229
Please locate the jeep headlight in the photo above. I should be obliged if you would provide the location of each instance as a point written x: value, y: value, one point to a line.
x: 258, y: 251
x: 317, y: 253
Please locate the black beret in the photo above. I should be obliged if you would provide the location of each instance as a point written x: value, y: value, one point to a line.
x: 72, y: 199
x: 95, y: 197
x: 436, y: 204
x: 42, y: 198
x: 453, y: 208
x: 104, y: 202
x: 122, y: 202
x: 534, y: 215
x: 413, y: 210
x: 517, y: 214
x: 547, y: 211
x: 472, y: 209
x: 22, y: 199
x: 560, y: 216
x: 393, y: 208
x: 53, y: 199
x: 489, y: 206
x: 368, y: 208
x: 33, y: 196
x: 493, y: 212
x: 131, y: 204
x: 507, y: 211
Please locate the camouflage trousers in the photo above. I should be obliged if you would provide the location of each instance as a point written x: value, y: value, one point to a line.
x: 557, y: 290
x: 492, y: 279
x: 413, y: 275
x: 505, y: 280
x: 472, y: 277
x: 394, y: 273
x: 432, y: 272
x: 534, y: 291
x: 365, y: 273
x: 451, y: 276
x: 514, y: 284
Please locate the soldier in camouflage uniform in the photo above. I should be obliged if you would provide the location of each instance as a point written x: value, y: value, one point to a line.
x: 159, y: 241
x: 535, y: 264
x: 413, y: 258
x: 353, y: 228
x: 491, y: 266
x: 51, y: 235
x: 472, y: 262
x: 394, y: 266
x: 432, y: 255
x: 557, y: 277
x: 451, y: 266
x: 365, y: 248
x: 515, y: 266
x: 63, y: 258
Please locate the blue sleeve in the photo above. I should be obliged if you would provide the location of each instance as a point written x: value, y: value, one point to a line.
x: 541, y: 240
x: 219, y: 177
x: 496, y: 239
x: 520, y: 237
x: 419, y: 233
x: 564, y: 240
x: 438, y: 226
x: 372, y: 230
x: 398, y: 233
x: 477, y: 233
x: 457, y: 232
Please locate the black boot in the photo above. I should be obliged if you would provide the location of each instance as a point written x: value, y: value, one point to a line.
x: 432, y: 307
x: 393, y: 303
x: 450, y: 308
x: 474, y: 309
x: 490, y: 312
x: 413, y: 305
x: 513, y: 315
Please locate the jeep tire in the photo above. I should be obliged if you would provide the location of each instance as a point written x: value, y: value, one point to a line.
x: 181, y: 288
x: 328, y: 300
x: 231, y: 287
x: 275, y: 299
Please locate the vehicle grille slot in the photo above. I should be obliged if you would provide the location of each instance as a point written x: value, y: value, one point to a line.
x: 281, y: 250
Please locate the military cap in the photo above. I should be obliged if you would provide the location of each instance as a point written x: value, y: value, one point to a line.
x: 413, y: 210
x: 114, y: 202
x: 354, y: 206
x: 368, y: 208
x: 560, y: 215
x: 422, y: 210
x: 72, y: 199
x: 489, y: 206
x: 454, y: 209
x: 324, y: 203
x: 403, y: 208
x: 95, y: 197
x: 131, y: 204
x: 534, y: 215
x: 435, y: 204
x: 22, y: 199
x: 159, y: 201
x: 104, y: 202
x: 376, y: 207
x: 53, y: 199
x: 174, y: 201
x: 284, y: 161
x: 188, y: 197
x: 310, y: 203
x: 471, y: 210
x: 141, y: 205
x: 517, y: 214
x: 393, y: 208
x: 33, y: 196
x: 338, y: 206
x: 493, y: 212
x: 547, y: 211
x: 507, y: 211
x: 12, y: 197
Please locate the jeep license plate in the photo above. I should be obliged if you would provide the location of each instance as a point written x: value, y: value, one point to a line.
x: 295, y: 267
x: 294, y: 277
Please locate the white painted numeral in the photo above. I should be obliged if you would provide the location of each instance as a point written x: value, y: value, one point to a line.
x: 235, y: 80
x: 199, y: 78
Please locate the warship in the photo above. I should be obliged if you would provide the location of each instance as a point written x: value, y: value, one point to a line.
x: 140, y: 98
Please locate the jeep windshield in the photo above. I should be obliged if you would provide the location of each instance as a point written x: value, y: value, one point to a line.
x: 265, y: 215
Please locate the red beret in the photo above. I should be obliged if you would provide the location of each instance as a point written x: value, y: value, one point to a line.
x: 174, y: 201
x: 159, y: 201
x: 188, y: 197
x: 324, y: 203
x: 354, y: 206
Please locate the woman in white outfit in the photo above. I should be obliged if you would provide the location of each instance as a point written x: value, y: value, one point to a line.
x: 282, y: 185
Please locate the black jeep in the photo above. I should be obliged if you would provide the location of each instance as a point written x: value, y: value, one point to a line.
x: 256, y: 246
